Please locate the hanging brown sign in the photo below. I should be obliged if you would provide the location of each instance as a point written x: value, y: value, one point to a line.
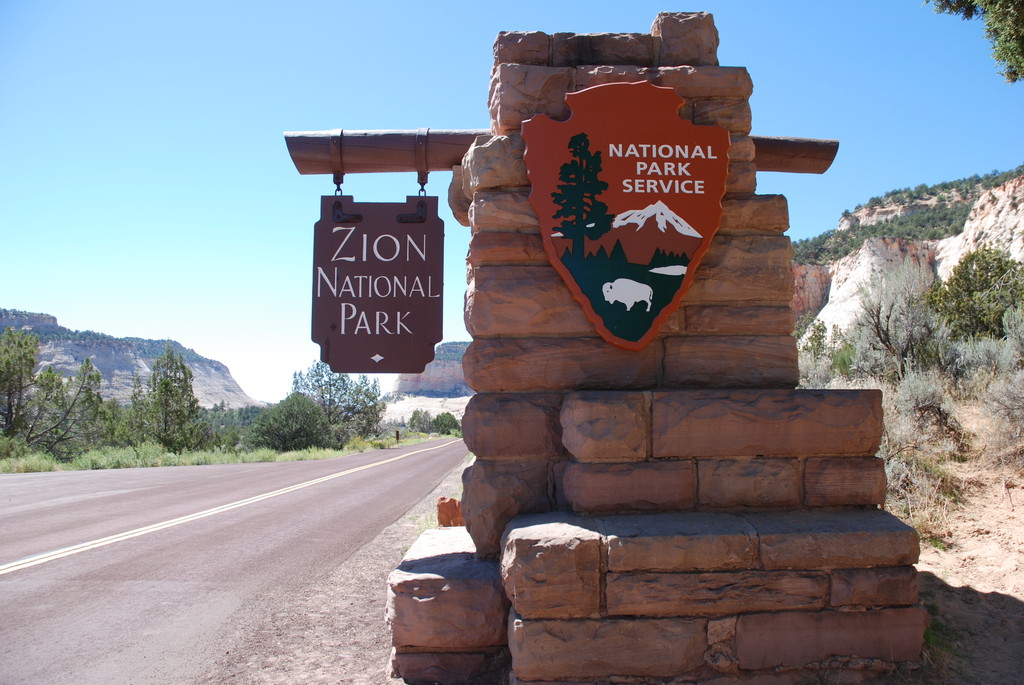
x: 378, y: 270
x: 629, y: 197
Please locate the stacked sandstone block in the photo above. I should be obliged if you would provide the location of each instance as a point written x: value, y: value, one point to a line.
x: 447, y: 611
x: 678, y: 513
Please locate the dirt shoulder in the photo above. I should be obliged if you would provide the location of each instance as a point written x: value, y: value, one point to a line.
x: 334, y: 629
x: 974, y: 586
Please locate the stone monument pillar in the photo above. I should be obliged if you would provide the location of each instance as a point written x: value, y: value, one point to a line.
x: 679, y: 513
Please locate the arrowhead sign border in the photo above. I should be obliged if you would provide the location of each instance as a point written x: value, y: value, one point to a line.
x: 629, y: 197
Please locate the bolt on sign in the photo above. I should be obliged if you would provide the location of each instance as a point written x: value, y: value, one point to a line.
x: 629, y: 196
x: 378, y: 270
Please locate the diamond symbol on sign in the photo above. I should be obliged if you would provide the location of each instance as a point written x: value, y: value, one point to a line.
x: 376, y: 358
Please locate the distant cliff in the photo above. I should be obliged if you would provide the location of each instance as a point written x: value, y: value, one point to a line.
x: 119, y: 359
x: 442, y: 378
x: 831, y: 290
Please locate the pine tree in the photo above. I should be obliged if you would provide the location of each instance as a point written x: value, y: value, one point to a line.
x: 584, y: 215
x: 1004, y: 27
x: 170, y: 408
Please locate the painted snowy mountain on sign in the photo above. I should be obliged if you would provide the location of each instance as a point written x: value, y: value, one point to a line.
x: 644, y: 232
x: 662, y: 215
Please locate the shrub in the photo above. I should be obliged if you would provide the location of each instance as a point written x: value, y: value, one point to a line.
x: 1006, y: 399
x: 445, y: 423
x: 979, y: 361
x: 296, y: 423
x: 983, y: 286
x: 894, y: 331
x: 12, y: 447
x: 923, y: 397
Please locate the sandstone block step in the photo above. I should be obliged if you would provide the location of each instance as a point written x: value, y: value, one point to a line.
x: 559, y: 566
x: 446, y: 609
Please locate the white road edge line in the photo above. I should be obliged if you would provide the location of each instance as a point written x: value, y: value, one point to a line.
x: 109, y: 540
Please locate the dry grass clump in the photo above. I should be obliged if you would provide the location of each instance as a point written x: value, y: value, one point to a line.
x: 922, y: 434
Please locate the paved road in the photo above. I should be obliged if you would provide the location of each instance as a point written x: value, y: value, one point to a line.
x: 129, y: 576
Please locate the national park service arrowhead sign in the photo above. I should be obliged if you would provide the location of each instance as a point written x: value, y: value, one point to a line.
x: 629, y: 196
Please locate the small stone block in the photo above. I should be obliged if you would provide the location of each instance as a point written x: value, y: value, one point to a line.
x: 706, y: 81
x: 519, y: 92
x: 503, y: 210
x: 458, y: 201
x: 742, y: 179
x: 591, y: 650
x: 678, y: 542
x: 766, y: 423
x: 513, y: 425
x: 745, y: 252
x: 495, y: 492
x: 844, y: 481
x: 802, y: 638
x: 495, y: 162
x: 758, y: 215
x: 513, y: 301
x: 739, y: 320
x: 499, y: 249
x: 547, y: 365
x: 834, y: 539
x: 607, y: 425
x: 871, y: 587
x: 741, y: 148
x: 738, y: 287
x: 714, y: 594
x: 551, y: 567
x: 449, y: 512
x: 758, y: 482
x: 574, y: 49
x: 686, y: 38
x: 442, y: 596
x: 733, y: 115
x: 665, y: 485
x: 440, y: 668
x: 522, y: 47
x: 731, y: 362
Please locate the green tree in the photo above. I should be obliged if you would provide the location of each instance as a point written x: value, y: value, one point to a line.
x: 981, y: 289
x: 46, y: 411
x: 63, y: 415
x: 420, y: 421
x: 445, y: 423
x: 1004, y: 27
x: 168, y: 411
x: 18, y: 351
x: 352, y: 407
x: 576, y: 196
x: 816, y: 343
x: 296, y: 423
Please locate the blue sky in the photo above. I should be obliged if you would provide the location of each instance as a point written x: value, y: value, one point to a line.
x: 145, y: 188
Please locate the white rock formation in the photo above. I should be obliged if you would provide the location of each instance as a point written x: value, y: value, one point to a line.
x: 996, y: 220
x: 849, y: 274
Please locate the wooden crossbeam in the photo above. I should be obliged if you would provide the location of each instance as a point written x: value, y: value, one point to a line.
x: 362, y: 152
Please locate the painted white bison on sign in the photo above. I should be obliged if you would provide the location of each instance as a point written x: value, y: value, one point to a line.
x: 628, y: 292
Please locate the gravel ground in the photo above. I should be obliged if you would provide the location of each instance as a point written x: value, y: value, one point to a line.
x: 334, y: 630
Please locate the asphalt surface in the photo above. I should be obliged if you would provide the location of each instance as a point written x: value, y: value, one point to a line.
x: 133, y: 575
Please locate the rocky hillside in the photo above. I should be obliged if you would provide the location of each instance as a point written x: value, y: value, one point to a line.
x: 119, y: 359
x: 441, y: 378
x: 829, y: 288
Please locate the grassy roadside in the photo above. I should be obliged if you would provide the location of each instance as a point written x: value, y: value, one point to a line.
x: 151, y: 454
